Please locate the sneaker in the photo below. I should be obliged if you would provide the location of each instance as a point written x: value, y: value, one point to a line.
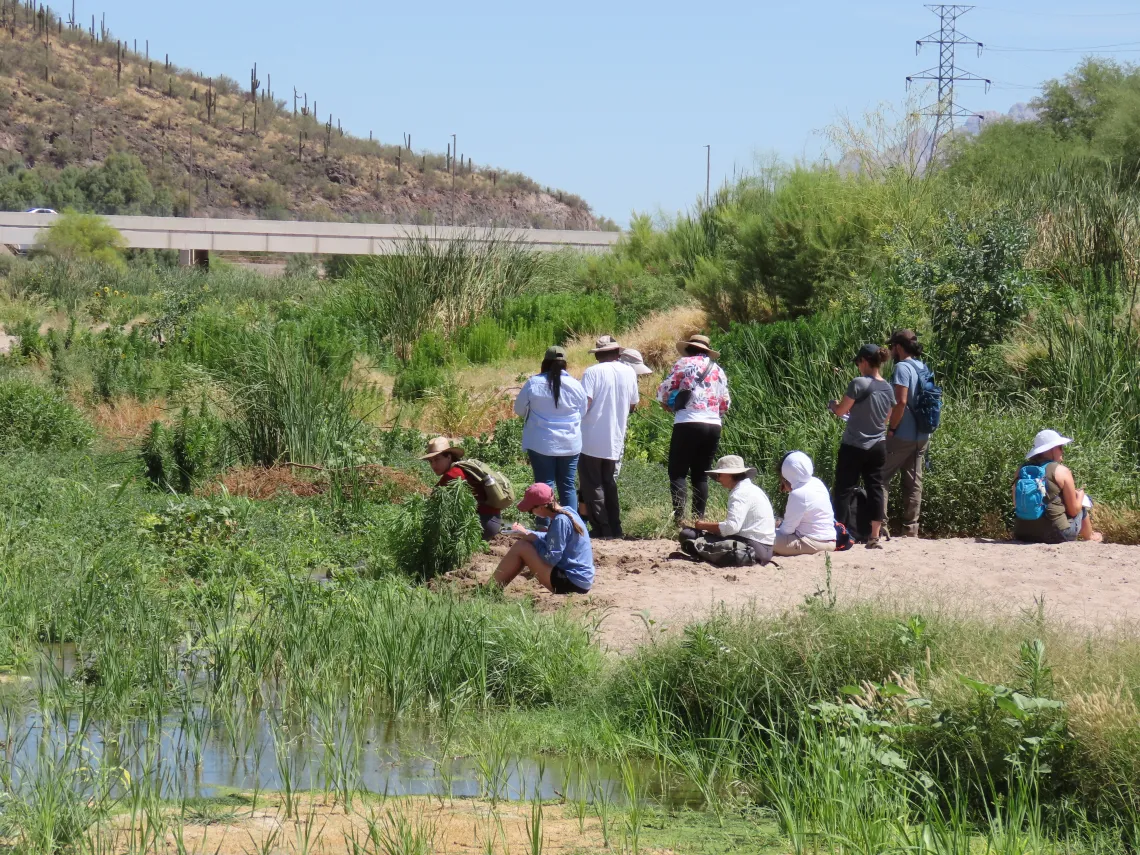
x: 873, y: 543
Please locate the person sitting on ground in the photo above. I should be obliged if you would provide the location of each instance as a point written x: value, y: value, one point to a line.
x: 560, y: 558
x: 443, y: 458
x: 1050, y: 508
x: 808, y: 525
x: 748, y: 532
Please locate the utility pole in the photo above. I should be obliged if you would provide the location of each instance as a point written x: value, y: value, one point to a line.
x: 708, y: 172
x: 946, y: 109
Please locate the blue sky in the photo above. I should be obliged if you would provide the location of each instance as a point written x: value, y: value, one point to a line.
x: 614, y: 101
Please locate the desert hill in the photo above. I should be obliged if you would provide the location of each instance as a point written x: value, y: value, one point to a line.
x: 95, y: 123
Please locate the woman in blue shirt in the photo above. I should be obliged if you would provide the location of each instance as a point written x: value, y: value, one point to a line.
x: 553, y: 404
x: 561, y: 557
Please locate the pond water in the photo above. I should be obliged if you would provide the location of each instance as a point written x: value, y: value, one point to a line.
x: 196, y: 753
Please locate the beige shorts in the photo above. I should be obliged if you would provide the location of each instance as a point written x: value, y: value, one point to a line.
x: 789, y: 544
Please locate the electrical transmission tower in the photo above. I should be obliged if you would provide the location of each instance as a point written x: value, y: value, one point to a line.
x: 946, y: 109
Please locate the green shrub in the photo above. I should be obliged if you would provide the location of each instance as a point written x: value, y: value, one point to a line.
x: 37, y: 418
x: 179, y: 457
x: 435, y: 535
x: 293, y: 397
x: 484, y: 342
x: 84, y: 237
x: 565, y: 315
x: 426, y: 372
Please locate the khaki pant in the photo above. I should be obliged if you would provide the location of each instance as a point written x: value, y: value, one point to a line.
x: 789, y: 544
x: 907, y: 457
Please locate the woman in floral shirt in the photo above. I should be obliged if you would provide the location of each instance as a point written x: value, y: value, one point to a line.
x: 697, y: 421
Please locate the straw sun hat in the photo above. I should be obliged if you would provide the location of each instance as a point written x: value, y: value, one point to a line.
x: 701, y: 342
x: 732, y: 464
x: 439, y: 445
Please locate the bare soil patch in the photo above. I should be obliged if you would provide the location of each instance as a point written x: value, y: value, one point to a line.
x: 1092, y: 586
x: 318, y: 825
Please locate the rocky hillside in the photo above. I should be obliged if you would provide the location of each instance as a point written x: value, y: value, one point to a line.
x: 90, y: 123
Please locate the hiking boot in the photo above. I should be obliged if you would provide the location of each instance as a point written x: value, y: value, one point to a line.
x: 873, y: 543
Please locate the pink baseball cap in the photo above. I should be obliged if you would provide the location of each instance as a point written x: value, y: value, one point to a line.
x: 536, y: 495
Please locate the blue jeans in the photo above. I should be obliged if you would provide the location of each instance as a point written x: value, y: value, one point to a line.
x: 560, y: 473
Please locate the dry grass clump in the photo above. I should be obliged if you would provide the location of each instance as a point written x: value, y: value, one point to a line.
x: 123, y: 422
x: 265, y: 482
x: 1118, y: 525
x: 657, y: 336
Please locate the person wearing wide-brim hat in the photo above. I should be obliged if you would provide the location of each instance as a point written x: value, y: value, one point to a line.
x: 1064, y: 513
x: 444, y: 457
x: 747, y: 533
x: 635, y: 360
x: 612, y: 394
x: 696, y: 392
x: 552, y: 405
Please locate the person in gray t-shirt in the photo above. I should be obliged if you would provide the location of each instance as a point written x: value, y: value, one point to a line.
x: 906, y: 445
x: 862, y: 451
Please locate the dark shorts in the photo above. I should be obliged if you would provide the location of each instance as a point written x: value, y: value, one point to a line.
x: 562, y: 585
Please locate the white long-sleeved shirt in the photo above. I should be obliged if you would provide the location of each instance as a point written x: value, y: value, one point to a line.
x: 749, y: 514
x: 809, y: 512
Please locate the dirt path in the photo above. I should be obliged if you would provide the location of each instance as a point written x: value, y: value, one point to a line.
x: 1090, y: 585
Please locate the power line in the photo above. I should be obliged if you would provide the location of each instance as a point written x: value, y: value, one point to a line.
x: 1040, y: 14
x: 1118, y: 46
x: 946, y: 74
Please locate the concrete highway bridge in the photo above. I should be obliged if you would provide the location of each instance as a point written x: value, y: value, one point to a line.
x: 196, y: 237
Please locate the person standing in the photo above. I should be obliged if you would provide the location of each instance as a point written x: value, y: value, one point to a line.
x: 863, y: 449
x: 696, y: 391
x: 906, y: 444
x: 552, y: 403
x: 611, y: 392
x: 443, y: 457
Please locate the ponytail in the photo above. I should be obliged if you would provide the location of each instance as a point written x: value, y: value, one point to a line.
x: 552, y: 369
x: 558, y: 509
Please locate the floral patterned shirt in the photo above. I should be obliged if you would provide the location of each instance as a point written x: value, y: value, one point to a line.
x: 709, y: 400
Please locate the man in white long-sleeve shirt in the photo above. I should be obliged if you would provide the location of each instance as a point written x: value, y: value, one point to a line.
x: 748, y: 532
x: 809, y: 520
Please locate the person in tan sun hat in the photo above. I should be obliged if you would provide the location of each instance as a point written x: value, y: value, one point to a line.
x: 748, y: 532
x: 443, y: 457
x: 611, y: 395
x: 696, y: 392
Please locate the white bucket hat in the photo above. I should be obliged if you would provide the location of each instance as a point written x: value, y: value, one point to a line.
x: 1046, y: 440
x: 732, y: 464
x: 634, y: 360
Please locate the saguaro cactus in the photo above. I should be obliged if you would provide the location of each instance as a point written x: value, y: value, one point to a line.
x: 254, y: 85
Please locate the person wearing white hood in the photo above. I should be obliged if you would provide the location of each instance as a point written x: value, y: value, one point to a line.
x: 808, y: 526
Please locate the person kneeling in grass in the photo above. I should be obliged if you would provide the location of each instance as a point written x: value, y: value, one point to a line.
x: 749, y: 530
x: 443, y: 457
x: 560, y: 558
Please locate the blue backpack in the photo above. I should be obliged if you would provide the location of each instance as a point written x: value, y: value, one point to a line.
x: 927, y: 402
x: 1029, y: 492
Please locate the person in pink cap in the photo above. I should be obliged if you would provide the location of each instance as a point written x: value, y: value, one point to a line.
x: 560, y: 558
